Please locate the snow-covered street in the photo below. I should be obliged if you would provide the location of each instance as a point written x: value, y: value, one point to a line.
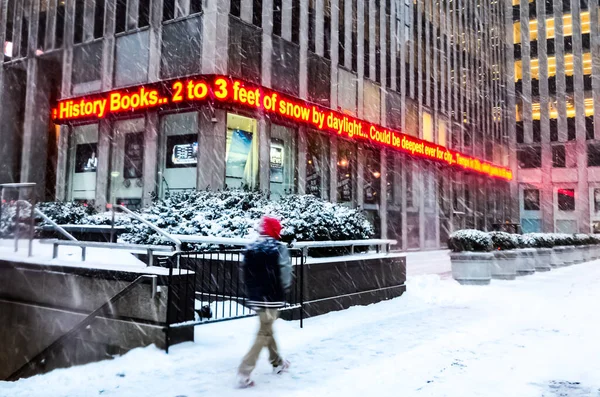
x: 537, y: 336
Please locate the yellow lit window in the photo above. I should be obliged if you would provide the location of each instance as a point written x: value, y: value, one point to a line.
x: 551, y: 66
x: 518, y: 70
x: 535, y: 66
x: 568, y: 25
x: 517, y: 32
x: 550, y: 28
x: 553, y: 110
x: 587, y: 63
x: 427, y: 127
x: 533, y: 30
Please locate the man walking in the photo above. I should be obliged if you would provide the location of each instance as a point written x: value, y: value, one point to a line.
x: 267, y: 273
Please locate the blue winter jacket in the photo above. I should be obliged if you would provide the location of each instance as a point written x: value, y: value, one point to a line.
x: 267, y: 273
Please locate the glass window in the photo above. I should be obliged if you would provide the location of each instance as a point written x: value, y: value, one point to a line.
x: 346, y: 164
x: 131, y: 59
x: 566, y: 226
x: 241, y: 170
x: 372, y: 176
x: 530, y: 157
x: 566, y: 199
x: 180, y: 141
x: 558, y: 156
x: 427, y: 127
x: 531, y: 200
x: 593, y: 155
x: 127, y: 162
x: 317, y: 165
x: 282, y: 161
x: 83, y: 163
x: 596, y: 200
x: 531, y: 225
x: 181, y: 57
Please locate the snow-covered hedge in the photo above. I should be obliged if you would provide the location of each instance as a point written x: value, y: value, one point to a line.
x: 235, y: 213
x: 537, y: 240
x: 504, y: 241
x: 470, y: 240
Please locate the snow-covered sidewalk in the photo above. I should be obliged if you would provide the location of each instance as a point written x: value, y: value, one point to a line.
x: 537, y: 336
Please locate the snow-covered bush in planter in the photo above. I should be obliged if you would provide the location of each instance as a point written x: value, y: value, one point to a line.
x: 504, y: 241
x: 505, y: 256
x: 471, y: 258
x: 236, y: 213
x: 470, y: 240
x: 563, y: 239
x: 537, y: 240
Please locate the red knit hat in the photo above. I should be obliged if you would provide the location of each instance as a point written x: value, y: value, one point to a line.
x: 271, y: 227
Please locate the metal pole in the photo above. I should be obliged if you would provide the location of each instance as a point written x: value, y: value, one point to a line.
x: 32, y: 221
x: 1, y: 209
x: 18, y: 216
x: 112, y: 224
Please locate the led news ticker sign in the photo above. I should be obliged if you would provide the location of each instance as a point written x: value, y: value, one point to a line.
x: 222, y: 89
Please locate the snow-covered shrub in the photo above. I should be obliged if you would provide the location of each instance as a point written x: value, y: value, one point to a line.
x: 470, y: 240
x: 65, y: 213
x: 537, y: 240
x: 563, y: 239
x: 583, y: 239
x: 236, y: 213
x: 504, y: 241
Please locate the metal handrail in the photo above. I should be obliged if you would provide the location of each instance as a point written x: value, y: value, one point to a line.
x: 55, y: 225
x: 238, y: 242
x: 158, y: 230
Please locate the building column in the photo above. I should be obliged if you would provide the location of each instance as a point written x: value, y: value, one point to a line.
x: 333, y: 166
x: 155, y: 41
x: 212, y: 143
x: 62, y: 163
x: 103, y: 177
x: 150, y: 158
x: 12, y: 90
x: 215, y: 37
x: 267, y: 42
x: 359, y: 197
x: 383, y: 191
x: 264, y: 154
x: 302, y: 153
x: 35, y: 128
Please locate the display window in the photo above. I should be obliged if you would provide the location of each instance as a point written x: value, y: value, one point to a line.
x: 179, y: 137
x: 282, y: 161
x: 346, y: 165
x: 127, y: 162
x: 241, y: 170
x: 317, y: 165
x: 83, y: 163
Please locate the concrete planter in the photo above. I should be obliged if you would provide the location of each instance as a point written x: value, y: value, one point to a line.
x: 566, y: 255
x: 472, y: 268
x: 543, y: 259
x: 505, y: 265
x: 585, y: 253
x: 526, y: 262
x: 578, y: 254
x: 556, y: 257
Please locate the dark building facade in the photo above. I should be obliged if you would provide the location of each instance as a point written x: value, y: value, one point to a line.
x: 429, y: 76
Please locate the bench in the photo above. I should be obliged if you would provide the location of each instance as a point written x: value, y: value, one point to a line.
x: 132, y: 248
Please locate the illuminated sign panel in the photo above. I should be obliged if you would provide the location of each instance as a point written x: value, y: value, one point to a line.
x: 221, y: 89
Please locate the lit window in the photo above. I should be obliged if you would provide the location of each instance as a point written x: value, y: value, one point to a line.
x: 566, y: 199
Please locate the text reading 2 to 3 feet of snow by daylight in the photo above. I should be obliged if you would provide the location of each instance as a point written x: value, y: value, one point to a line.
x: 212, y: 89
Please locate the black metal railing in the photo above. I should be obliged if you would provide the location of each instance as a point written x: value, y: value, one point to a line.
x: 207, y: 287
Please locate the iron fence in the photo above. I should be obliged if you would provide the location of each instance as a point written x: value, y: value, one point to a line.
x: 207, y: 287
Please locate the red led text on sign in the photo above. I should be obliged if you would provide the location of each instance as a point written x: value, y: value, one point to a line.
x: 227, y: 90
